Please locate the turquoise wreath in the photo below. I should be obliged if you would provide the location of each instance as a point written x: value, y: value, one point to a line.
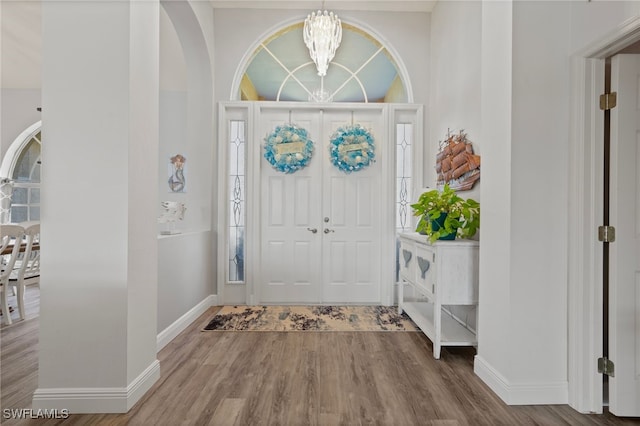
x: 288, y: 162
x: 352, y: 148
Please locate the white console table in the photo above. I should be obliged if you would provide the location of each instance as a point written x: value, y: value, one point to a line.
x: 444, y: 273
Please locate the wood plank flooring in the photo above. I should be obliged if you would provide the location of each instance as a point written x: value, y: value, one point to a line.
x: 296, y: 378
x: 31, y: 305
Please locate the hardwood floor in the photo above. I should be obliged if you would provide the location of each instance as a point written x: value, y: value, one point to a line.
x: 31, y: 305
x: 295, y: 378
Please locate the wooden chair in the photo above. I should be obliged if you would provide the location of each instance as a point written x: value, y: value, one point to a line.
x: 10, y: 241
x: 26, y: 270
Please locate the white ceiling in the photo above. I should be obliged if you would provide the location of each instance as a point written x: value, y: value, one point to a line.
x: 386, y: 6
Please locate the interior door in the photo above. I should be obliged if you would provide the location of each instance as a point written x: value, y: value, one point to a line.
x: 321, y: 228
x: 624, y: 266
x: 352, y: 226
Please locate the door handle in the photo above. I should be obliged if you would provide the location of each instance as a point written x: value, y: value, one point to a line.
x: 313, y: 230
x: 327, y: 230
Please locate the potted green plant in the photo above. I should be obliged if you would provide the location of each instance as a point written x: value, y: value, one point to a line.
x: 446, y: 215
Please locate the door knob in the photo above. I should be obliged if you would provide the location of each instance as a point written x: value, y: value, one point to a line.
x: 326, y: 220
x: 327, y: 230
x: 313, y: 230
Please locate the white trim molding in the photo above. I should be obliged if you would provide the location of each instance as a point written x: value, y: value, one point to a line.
x: 179, y: 325
x: 521, y: 393
x: 98, y: 400
x: 585, y: 254
x: 491, y: 378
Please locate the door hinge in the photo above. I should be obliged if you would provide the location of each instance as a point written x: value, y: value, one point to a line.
x: 605, y: 366
x: 606, y: 234
x: 608, y: 101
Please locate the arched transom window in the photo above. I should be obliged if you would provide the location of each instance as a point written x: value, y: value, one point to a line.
x: 363, y: 70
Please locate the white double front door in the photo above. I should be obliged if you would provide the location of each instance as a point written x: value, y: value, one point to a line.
x: 321, y: 229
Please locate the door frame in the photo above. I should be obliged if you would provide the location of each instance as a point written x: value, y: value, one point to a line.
x: 385, y: 147
x: 585, y: 271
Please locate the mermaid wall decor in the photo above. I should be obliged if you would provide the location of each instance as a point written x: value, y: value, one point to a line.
x: 177, y: 181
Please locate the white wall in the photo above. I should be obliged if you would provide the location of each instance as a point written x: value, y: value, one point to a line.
x: 592, y: 20
x: 454, y: 103
x: 186, y: 264
x: 173, y: 69
x: 522, y: 351
x: 539, y: 163
x: 21, y: 44
x: 173, y: 117
x: 495, y: 243
x: 20, y: 73
x: 104, y: 296
x: 186, y: 261
x: 186, y: 120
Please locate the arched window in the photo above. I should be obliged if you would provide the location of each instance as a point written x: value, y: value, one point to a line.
x: 20, y: 177
x: 363, y: 70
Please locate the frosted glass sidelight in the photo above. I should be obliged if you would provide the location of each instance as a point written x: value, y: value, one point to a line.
x: 237, y: 156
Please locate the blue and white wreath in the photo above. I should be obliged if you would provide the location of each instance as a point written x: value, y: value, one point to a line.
x: 288, y: 148
x: 352, y: 148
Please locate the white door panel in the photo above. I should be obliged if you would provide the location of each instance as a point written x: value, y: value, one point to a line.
x: 290, y: 270
x: 624, y: 265
x: 353, y: 207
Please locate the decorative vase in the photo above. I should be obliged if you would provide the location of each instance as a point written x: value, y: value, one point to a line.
x: 438, y: 223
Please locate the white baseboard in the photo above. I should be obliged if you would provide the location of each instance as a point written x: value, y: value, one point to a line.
x: 491, y: 377
x: 142, y: 383
x: 521, y: 394
x: 97, y: 400
x: 170, y: 333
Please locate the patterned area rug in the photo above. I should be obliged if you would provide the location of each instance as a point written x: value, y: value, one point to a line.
x: 310, y: 318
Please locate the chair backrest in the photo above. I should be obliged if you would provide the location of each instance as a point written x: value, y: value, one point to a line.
x: 10, y: 241
x: 30, y: 266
